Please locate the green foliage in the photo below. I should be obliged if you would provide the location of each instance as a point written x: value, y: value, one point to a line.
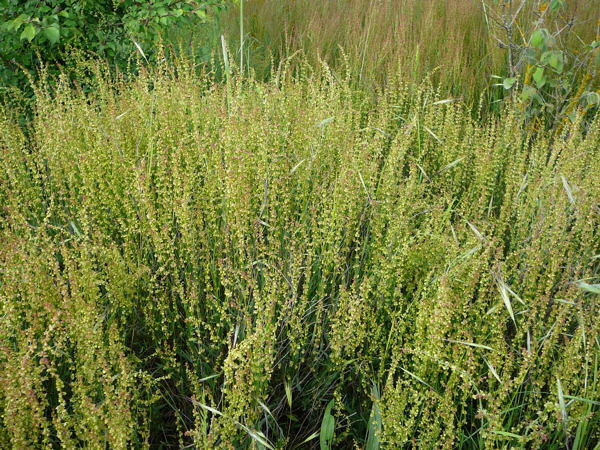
x: 374, y: 427
x: 557, y: 74
x: 188, y: 264
x: 327, y: 427
x: 34, y: 32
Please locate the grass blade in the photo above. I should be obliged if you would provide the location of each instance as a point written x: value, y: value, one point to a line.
x: 506, y: 433
x: 493, y: 370
x: 505, y: 298
x: 470, y: 344
x: 374, y: 427
x: 593, y: 288
x: 561, y: 400
x: 568, y: 190
x: 420, y: 380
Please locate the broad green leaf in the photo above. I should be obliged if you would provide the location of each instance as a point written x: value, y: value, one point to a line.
x: 52, y: 33
x: 528, y: 93
x: 327, y: 427
x: 546, y: 56
x: 556, y: 61
x: 14, y: 25
x: 28, y: 33
x: 538, y: 77
x: 509, y: 82
x: 538, y: 38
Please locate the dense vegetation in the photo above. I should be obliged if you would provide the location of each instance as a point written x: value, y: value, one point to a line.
x: 303, y: 253
x: 47, y: 34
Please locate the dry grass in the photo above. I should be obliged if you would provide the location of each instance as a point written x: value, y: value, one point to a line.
x: 452, y: 41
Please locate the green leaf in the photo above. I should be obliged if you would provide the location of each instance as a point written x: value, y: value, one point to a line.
x: 538, y: 38
x: 561, y: 400
x: 528, y: 93
x: 14, y: 25
x: 506, y: 300
x: 581, y: 399
x: 593, y: 288
x: 471, y: 344
x: 556, y: 61
x: 327, y: 428
x: 29, y: 33
x: 310, y: 438
x: 493, y: 370
x: 556, y: 4
x: 288, y: 392
x: 52, y: 33
x: 506, y: 433
x: 592, y: 98
x: 538, y: 77
x: 546, y: 56
x: 324, y: 122
x: 509, y: 82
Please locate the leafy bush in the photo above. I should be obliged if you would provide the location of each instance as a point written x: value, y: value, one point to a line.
x: 35, y: 32
x: 184, y: 263
x: 553, y: 72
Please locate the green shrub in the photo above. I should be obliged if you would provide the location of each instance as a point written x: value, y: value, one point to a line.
x: 555, y: 71
x: 36, y: 32
x: 184, y: 263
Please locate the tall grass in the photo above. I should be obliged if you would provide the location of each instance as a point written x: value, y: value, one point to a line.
x: 452, y: 41
x: 184, y: 263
